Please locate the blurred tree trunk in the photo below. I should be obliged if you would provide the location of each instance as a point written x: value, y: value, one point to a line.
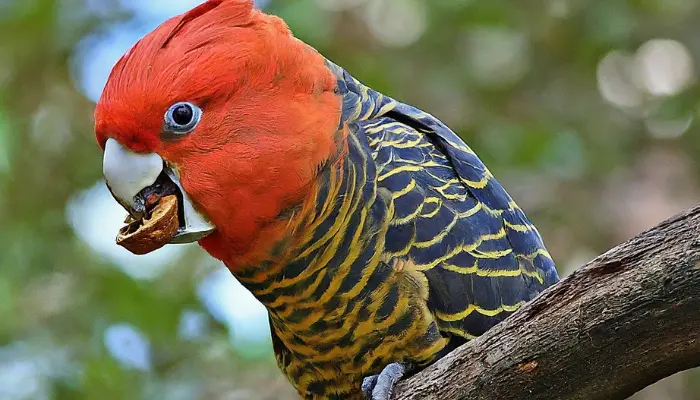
x: 622, y: 322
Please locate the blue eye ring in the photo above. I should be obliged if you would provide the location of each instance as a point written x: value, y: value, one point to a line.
x: 181, y: 118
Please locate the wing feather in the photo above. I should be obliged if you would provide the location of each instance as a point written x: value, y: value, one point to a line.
x: 481, y: 255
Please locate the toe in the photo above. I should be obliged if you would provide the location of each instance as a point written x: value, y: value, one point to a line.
x: 387, y: 380
x: 368, y: 385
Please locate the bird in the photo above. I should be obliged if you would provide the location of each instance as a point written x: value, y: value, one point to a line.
x: 375, y: 237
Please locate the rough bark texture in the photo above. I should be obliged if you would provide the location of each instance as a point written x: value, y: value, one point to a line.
x: 621, y: 322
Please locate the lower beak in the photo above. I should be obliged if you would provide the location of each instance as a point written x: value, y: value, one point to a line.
x: 131, y: 177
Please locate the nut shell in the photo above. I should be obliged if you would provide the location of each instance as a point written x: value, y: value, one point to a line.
x: 144, y: 236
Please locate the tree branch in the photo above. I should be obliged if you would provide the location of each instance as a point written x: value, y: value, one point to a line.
x: 618, y: 324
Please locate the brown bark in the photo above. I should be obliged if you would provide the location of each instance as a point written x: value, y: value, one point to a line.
x: 621, y: 322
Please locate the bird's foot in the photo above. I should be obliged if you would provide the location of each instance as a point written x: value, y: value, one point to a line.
x: 380, y: 386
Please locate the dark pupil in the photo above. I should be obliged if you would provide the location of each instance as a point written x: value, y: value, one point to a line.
x: 182, y: 115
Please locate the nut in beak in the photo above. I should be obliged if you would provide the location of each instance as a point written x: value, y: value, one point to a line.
x: 151, y: 233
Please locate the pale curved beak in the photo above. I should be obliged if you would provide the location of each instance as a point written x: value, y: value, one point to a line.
x: 127, y: 174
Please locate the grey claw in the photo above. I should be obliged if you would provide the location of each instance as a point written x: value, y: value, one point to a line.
x: 386, y: 381
x: 368, y: 385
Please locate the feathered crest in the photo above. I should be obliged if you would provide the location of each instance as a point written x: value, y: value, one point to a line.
x: 239, y: 14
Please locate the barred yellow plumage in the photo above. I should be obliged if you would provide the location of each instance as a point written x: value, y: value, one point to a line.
x: 410, y: 248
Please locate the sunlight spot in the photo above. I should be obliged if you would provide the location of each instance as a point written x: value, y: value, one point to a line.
x: 128, y: 346
x: 496, y: 56
x: 234, y: 306
x: 665, y: 67
x: 396, y: 23
x: 616, y: 82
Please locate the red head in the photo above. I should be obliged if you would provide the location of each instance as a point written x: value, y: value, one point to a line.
x: 268, y: 117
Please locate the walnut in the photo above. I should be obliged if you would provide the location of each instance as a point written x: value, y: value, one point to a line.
x: 151, y: 233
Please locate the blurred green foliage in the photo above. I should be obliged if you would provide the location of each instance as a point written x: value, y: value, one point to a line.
x: 585, y: 117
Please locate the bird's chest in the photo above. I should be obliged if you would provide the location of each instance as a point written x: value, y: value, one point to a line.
x: 327, y: 352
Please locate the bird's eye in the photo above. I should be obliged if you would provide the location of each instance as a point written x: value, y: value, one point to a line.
x: 182, y: 118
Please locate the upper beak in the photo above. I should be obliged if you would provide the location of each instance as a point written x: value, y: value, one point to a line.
x: 127, y: 174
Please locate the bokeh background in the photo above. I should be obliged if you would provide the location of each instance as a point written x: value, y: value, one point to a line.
x: 585, y: 110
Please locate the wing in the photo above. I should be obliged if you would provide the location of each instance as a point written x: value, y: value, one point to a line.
x: 482, y: 257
